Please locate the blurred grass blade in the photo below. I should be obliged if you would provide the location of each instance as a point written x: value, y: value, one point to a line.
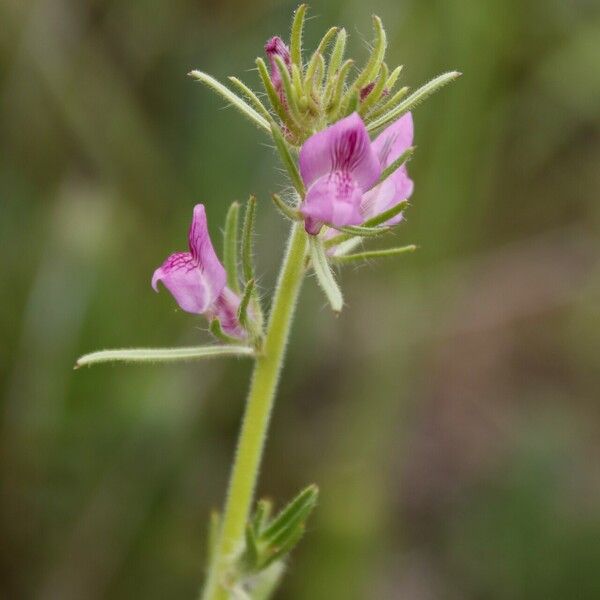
x: 234, y: 99
x: 325, y: 275
x: 362, y: 256
x: 155, y: 355
x: 230, y: 251
x: 413, y: 100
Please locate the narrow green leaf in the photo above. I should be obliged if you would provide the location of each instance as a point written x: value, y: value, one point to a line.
x: 387, y: 105
x: 376, y: 92
x: 363, y: 231
x: 234, y: 99
x: 325, y: 275
x: 230, y: 252
x: 325, y: 40
x: 386, y: 215
x: 373, y: 65
x: 217, y: 331
x: 296, y: 36
x: 362, y: 256
x: 413, y: 100
x: 337, y: 54
x: 333, y: 101
x: 274, y: 98
x: 258, y: 105
x: 155, y: 355
x: 290, y: 92
x: 301, y: 505
x: 393, y: 78
x: 247, y: 239
x: 244, y: 303
x: 391, y: 169
x: 285, y: 209
x: 286, y: 158
x: 285, y: 546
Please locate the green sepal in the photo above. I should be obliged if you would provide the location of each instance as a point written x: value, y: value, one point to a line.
x: 369, y: 254
x: 333, y: 99
x: 413, y: 100
x: 230, y: 250
x: 296, y: 35
x: 393, y: 78
x: 217, y: 331
x: 373, y: 65
x: 337, y: 55
x: 290, y: 92
x: 375, y: 94
x: 285, y: 209
x: 363, y: 231
x: 388, y: 104
x: 324, y: 274
x: 274, y: 98
x: 286, y: 158
x: 247, y: 240
x: 326, y: 40
x: 386, y: 215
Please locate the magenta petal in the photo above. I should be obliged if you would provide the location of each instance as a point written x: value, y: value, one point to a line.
x: 393, y: 141
x: 276, y: 47
x: 203, y: 252
x: 333, y: 199
x: 345, y: 146
x: 195, y: 278
x: 225, y: 309
x: 180, y: 275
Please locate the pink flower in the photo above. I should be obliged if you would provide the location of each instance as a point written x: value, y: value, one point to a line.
x: 197, y: 279
x: 339, y: 167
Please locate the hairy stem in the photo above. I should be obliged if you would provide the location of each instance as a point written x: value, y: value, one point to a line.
x: 257, y: 415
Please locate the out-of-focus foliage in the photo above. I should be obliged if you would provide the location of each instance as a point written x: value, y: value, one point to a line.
x: 449, y: 416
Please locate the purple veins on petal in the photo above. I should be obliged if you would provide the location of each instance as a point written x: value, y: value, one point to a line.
x: 337, y: 166
x: 195, y: 278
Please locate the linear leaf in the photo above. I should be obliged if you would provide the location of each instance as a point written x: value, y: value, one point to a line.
x: 260, y: 107
x: 244, y: 303
x: 286, y: 158
x: 247, y: 238
x: 141, y: 355
x: 325, y: 275
x: 230, y: 252
x: 234, y: 99
x: 413, y: 100
x: 301, y: 506
x: 296, y: 36
x: 362, y: 256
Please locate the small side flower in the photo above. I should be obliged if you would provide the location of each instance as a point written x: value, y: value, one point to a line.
x: 197, y: 279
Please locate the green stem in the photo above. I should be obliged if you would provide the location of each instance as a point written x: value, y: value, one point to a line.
x: 257, y: 415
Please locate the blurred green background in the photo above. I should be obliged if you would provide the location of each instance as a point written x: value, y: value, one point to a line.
x: 450, y: 414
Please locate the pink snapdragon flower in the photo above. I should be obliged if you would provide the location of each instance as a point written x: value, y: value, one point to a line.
x: 339, y: 167
x: 197, y: 279
x: 276, y: 47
